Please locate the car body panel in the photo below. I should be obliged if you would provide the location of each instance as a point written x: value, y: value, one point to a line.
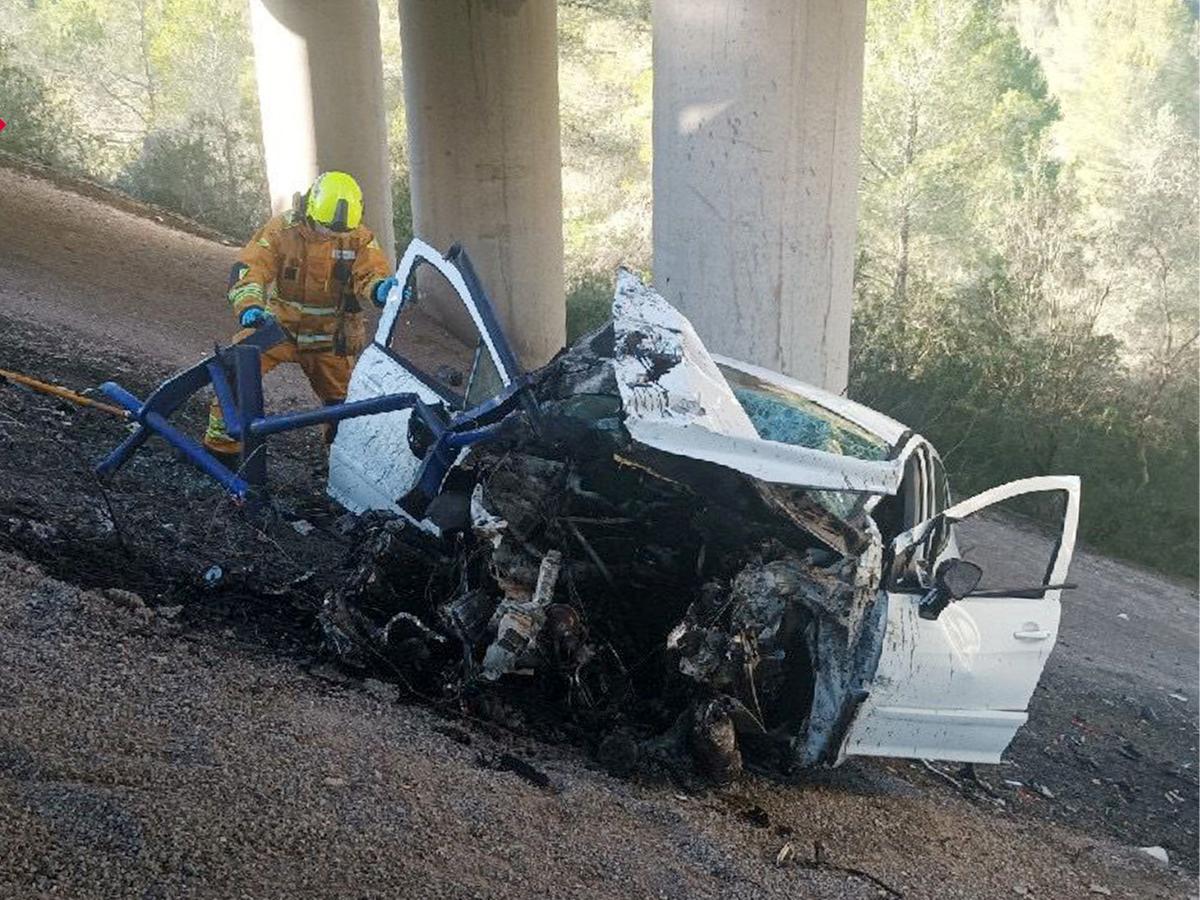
x: 370, y: 463
x: 959, y: 686
x: 677, y: 401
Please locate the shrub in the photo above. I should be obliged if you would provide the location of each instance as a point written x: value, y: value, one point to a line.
x: 202, y: 171
x: 589, y: 302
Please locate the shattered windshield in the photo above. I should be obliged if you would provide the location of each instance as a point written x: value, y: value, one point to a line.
x: 789, y: 418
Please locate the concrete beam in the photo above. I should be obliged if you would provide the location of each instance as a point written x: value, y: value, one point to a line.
x: 757, y: 122
x: 481, y: 97
x: 320, y: 92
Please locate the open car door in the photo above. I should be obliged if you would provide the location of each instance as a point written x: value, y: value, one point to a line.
x: 957, y: 687
x: 376, y: 460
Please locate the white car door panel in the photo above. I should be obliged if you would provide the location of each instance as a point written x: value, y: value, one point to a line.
x: 958, y: 687
x: 370, y: 464
x: 961, y: 735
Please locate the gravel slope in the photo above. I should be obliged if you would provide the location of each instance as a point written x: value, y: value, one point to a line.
x: 140, y: 756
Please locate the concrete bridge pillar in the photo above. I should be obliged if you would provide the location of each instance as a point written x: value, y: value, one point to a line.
x: 320, y: 92
x: 481, y: 98
x: 757, y: 121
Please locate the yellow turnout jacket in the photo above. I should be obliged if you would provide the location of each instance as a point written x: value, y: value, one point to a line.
x: 315, y: 285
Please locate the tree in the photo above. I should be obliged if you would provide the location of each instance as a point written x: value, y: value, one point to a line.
x: 1152, y: 251
x: 954, y: 110
x: 100, y: 52
x: 1112, y: 64
x: 605, y: 83
x: 206, y: 43
x: 1025, y: 293
x: 39, y: 124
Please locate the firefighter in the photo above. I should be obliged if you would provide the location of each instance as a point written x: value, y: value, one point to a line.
x: 311, y: 269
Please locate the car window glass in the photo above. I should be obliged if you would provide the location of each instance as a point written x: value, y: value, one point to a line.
x: 912, y: 491
x: 789, y: 418
x: 841, y: 503
x: 484, y: 381
x: 434, y: 337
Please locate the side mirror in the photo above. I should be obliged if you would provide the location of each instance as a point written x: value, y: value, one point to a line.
x: 957, y: 577
x: 954, y: 580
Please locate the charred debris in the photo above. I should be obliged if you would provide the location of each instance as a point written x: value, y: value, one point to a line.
x: 662, y: 611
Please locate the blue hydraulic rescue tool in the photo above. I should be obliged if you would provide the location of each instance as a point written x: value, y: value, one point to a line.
x: 242, y: 406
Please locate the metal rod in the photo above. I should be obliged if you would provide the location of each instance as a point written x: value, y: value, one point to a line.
x: 248, y: 366
x: 220, y: 384
x: 246, y: 416
x: 198, y: 456
x: 456, y: 440
x: 191, y: 450
x: 44, y: 387
x: 335, y: 413
x: 118, y: 394
x: 123, y: 451
x: 1034, y: 593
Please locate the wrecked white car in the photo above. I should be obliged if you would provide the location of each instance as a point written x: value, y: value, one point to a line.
x: 676, y: 550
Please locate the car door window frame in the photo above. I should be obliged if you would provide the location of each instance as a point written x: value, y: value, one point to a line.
x: 455, y: 266
x: 452, y: 400
x: 938, y: 527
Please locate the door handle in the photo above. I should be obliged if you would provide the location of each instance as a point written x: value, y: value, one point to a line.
x: 1031, y: 635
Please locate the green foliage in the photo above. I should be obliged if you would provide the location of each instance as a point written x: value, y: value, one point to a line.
x: 198, y: 170
x: 605, y: 85
x: 1025, y: 288
x: 589, y: 302
x: 402, y: 216
x: 1004, y: 399
x: 156, y: 96
x: 952, y: 106
x: 38, y: 125
x: 1112, y: 64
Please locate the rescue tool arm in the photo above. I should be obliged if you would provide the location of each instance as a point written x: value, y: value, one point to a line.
x: 258, y: 264
x: 370, y: 268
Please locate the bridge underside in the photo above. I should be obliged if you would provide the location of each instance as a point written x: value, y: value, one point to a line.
x: 757, y: 115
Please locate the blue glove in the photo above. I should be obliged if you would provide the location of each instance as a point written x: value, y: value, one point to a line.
x: 254, y: 317
x: 382, y: 289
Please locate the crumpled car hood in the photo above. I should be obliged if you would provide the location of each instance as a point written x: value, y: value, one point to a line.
x: 629, y: 556
x: 676, y: 400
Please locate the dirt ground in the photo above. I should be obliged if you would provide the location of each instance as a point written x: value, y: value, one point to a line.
x: 145, y: 754
x: 207, y: 751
